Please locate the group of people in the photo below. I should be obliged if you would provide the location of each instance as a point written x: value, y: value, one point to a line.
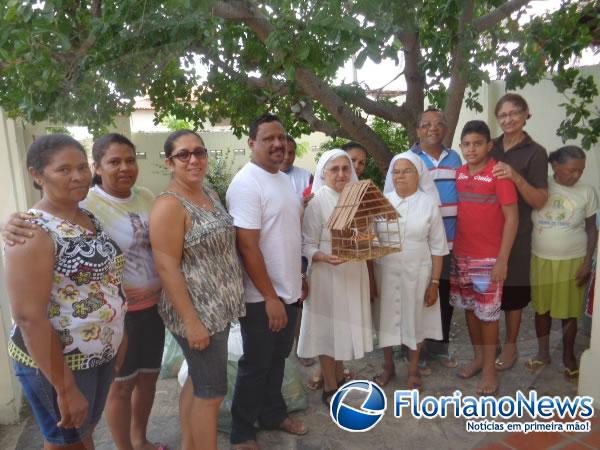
x: 113, y: 266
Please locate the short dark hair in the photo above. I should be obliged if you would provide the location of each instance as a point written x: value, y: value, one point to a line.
x: 291, y: 139
x: 515, y: 99
x: 478, y: 127
x: 264, y: 118
x: 353, y: 144
x: 170, y: 141
x: 45, y: 147
x: 101, y: 145
x: 429, y: 110
x: 563, y: 154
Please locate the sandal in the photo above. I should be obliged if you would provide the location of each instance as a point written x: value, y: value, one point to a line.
x: 315, y: 383
x: 571, y: 376
x: 348, y: 376
x: 292, y: 426
x: 536, y: 365
x: 424, y: 370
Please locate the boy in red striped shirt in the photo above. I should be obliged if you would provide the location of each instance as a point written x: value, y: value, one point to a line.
x: 487, y: 223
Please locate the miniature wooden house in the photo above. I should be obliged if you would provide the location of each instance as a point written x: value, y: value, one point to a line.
x: 364, y: 224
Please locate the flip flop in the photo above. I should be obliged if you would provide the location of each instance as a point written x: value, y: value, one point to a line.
x: 571, y: 375
x: 502, y: 365
x: 248, y: 445
x: 349, y: 376
x: 448, y: 360
x: 424, y: 370
x: 416, y: 383
x: 535, y: 365
x: 380, y: 380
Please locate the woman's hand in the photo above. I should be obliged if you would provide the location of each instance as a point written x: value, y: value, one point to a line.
x: 431, y: 295
x: 72, y: 406
x: 503, y: 171
x: 17, y: 229
x: 333, y: 260
x: 196, y: 334
x: 583, y: 273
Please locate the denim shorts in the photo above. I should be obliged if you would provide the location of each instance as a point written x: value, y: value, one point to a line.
x: 93, y: 383
x: 207, y: 368
x: 145, y: 343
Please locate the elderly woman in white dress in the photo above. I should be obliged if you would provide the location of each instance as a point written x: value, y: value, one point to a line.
x: 408, y: 281
x: 336, y: 317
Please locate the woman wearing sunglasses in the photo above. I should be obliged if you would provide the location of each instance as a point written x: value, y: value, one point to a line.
x: 193, y: 243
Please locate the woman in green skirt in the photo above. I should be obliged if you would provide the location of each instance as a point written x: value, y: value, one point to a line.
x: 564, y: 238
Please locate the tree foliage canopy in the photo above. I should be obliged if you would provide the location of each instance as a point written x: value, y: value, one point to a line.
x: 76, y: 61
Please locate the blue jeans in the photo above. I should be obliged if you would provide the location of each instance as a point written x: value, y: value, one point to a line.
x: 257, y: 395
x: 93, y: 383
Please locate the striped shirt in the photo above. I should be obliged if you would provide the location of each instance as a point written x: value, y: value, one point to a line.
x: 443, y: 172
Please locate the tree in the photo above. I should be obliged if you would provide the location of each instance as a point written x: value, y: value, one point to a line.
x: 84, y: 62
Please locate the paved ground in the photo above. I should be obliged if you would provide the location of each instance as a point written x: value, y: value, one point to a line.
x: 390, y: 433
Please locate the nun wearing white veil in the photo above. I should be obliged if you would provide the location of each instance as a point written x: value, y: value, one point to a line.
x: 336, y: 316
x: 408, y: 310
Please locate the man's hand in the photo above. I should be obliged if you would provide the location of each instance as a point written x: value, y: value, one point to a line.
x: 276, y: 314
x: 196, y: 334
x: 73, y: 407
x: 304, y: 290
x: 17, y: 229
x: 499, y: 271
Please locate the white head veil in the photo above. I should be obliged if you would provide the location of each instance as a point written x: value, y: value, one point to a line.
x: 426, y: 183
x: 327, y: 156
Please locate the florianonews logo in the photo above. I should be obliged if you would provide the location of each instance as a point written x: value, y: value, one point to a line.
x: 358, y: 419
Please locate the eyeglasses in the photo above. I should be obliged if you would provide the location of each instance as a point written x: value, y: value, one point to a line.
x: 336, y: 169
x: 407, y: 171
x: 428, y: 125
x: 512, y: 114
x: 185, y: 155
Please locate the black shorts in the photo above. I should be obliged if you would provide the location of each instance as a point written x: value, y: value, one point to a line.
x: 515, y: 297
x: 146, y: 341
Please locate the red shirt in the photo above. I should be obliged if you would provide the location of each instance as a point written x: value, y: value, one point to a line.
x: 480, y: 220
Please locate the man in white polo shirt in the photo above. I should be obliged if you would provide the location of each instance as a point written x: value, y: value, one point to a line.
x: 267, y: 215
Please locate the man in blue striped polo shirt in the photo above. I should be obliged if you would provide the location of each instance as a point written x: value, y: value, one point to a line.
x: 442, y: 163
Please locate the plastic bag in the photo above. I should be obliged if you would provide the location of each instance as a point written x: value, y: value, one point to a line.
x: 294, y: 394
x: 172, y: 357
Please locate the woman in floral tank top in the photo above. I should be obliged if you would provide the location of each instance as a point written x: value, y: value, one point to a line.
x: 64, y: 286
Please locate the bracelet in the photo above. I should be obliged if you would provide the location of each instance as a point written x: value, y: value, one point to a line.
x: 434, y: 281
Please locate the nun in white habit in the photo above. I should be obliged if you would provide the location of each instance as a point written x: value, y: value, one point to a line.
x: 408, y: 309
x: 336, y: 317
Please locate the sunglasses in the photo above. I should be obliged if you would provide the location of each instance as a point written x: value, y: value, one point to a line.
x: 185, y: 155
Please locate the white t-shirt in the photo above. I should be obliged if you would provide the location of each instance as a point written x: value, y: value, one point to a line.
x: 300, y: 179
x: 260, y: 200
x: 126, y: 221
x: 559, y: 227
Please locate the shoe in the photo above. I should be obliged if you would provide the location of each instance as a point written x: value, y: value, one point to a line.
x: 535, y: 365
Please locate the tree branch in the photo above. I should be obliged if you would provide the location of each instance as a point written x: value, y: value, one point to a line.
x: 304, y: 112
x: 386, y: 111
x: 415, y: 82
x: 309, y: 83
x: 503, y: 11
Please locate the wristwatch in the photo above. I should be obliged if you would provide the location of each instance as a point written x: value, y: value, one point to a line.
x: 434, y: 281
